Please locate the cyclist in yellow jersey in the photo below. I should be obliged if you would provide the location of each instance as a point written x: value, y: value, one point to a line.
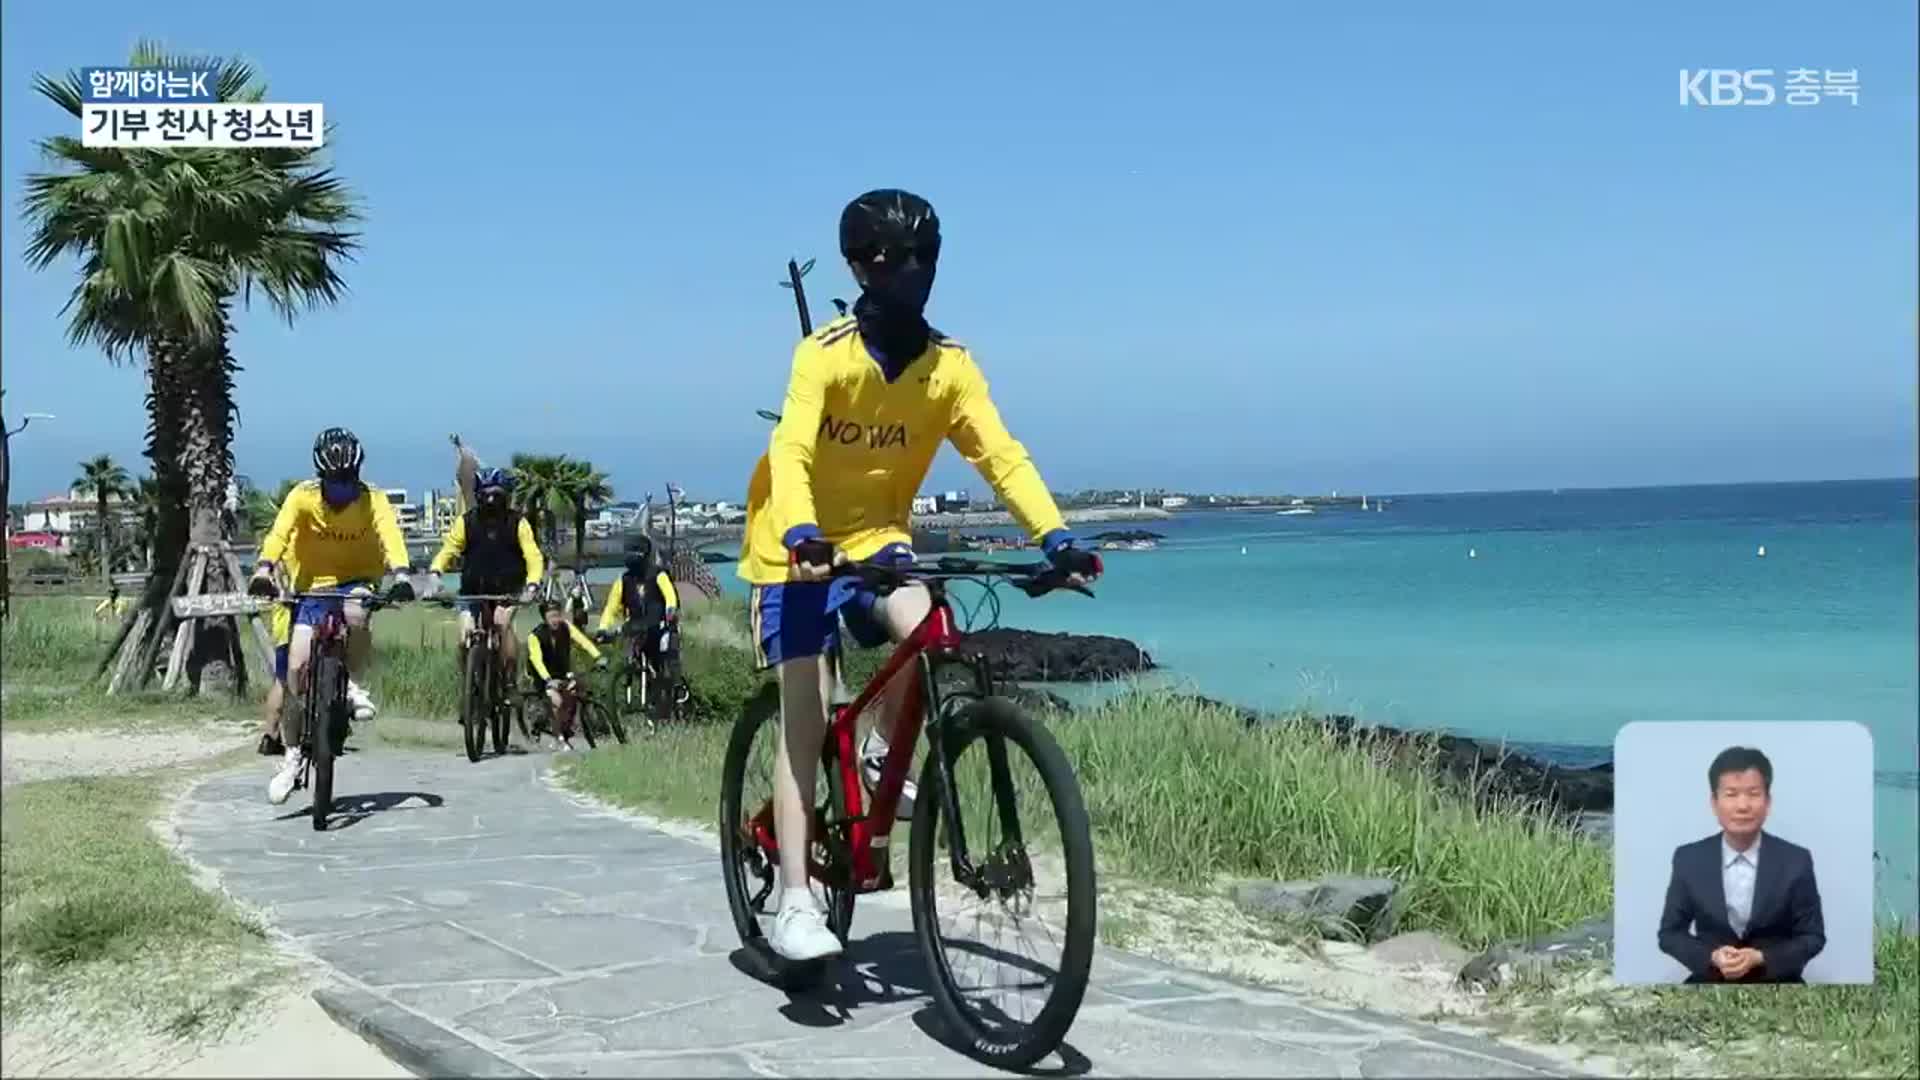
x: 345, y: 537
x: 871, y: 398
x: 550, y: 662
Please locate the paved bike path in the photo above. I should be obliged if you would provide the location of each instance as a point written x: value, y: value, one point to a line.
x: 481, y: 922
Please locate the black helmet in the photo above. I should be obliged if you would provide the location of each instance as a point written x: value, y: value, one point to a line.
x: 891, y: 222
x: 337, y: 451
x: 639, y: 547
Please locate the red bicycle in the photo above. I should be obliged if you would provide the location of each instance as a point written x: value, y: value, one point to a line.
x: 323, y: 697
x: 968, y: 806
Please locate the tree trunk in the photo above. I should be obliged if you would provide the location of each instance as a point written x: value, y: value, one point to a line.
x: 207, y: 460
x: 106, y: 539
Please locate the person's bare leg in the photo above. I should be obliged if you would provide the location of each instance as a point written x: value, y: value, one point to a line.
x: 509, y: 645
x: 901, y: 613
x: 806, y: 685
x: 276, y: 697
x: 359, y: 641
x: 554, y: 707
x: 299, y: 652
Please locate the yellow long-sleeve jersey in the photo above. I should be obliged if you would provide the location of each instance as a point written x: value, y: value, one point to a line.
x: 615, y: 613
x: 852, y: 449
x: 455, y: 544
x: 360, y: 541
x: 537, y: 655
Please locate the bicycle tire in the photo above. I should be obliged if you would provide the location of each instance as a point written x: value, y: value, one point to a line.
x: 473, y: 702
x: 502, y: 711
x: 739, y: 855
x: 325, y: 703
x: 583, y: 720
x: 991, y: 1045
x: 611, y: 717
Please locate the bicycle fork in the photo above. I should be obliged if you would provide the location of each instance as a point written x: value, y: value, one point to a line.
x: 1006, y: 867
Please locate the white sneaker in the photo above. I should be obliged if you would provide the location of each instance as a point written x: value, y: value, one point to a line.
x: 873, y: 760
x: 800, y: 932
x: 363, y: 707
x: 283, y: 782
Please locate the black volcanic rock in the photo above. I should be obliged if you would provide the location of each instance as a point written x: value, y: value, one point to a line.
x: 1494, y: 771
x: 1031, y: 656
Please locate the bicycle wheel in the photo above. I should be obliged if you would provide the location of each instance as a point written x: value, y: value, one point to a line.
x: 583, y: 720
x: 475, y: 703
x: 746, y: 787
x: 603, y: 715
x: 502, y: 711
x: 1008, y: 1020
x: 326, y: 714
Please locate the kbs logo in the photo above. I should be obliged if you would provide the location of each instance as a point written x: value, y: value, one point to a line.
x: 1755, y: 86
x: 1726, y: 86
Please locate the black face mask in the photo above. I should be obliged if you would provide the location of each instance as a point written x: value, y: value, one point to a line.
x: 891, y: 310
x: 493, y: 501
x: 637, y: 564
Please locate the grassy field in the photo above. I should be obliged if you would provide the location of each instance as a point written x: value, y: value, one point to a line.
x: 103, y: 930
x: 1782, y: 1031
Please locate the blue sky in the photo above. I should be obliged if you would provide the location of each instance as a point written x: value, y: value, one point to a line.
x: 1387, y: 247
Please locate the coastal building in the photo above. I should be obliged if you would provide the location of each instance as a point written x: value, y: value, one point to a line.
x: 1173, y: 502
x: 63, y: 516
x: 926, y: 504
x: 405, y: 514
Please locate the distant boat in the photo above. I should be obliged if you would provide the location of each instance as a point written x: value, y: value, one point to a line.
x: 1762, y: 553
x: 1243, y: 551
x: 1473, y: 553
x: 1292, y: 511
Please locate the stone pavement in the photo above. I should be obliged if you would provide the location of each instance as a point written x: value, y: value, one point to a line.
x: 479, y: 922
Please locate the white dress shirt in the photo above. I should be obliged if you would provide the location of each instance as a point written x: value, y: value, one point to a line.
x: 1738, y: 869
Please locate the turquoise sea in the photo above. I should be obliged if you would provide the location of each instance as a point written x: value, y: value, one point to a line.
x: 1579, y: 612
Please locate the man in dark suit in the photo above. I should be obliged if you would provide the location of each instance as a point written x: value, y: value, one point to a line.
x: 1742, y: 904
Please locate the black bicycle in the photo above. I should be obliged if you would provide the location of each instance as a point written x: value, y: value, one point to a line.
x: 325, y: 709
x: 485, y: 706
x: 592, y: 716
x: 640, y: 687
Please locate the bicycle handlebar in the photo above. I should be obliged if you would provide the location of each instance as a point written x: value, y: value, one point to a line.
x: 366, y: 598
x: 1033, y: 578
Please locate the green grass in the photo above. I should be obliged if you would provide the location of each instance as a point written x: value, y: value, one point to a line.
x: 1749, y: 1031
x: 98, y: 918
x: 53, y: 640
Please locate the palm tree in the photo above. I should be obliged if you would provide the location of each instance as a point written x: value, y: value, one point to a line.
x: 259, y: 509
x: 539, y: 491
x: 104, y: 479
x: 166, y: 240
x: 146, y: 515
x: 582, y: 486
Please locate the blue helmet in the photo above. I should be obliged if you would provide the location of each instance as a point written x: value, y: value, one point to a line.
x: 493, y: 478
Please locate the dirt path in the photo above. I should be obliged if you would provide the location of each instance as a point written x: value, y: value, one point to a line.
x: 27, y: 756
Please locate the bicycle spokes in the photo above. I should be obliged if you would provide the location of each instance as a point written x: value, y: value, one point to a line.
x: 1000, y: 914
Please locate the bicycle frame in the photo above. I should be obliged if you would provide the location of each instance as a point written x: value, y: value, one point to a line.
x: 329, y: 633
x: 936, y: 641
